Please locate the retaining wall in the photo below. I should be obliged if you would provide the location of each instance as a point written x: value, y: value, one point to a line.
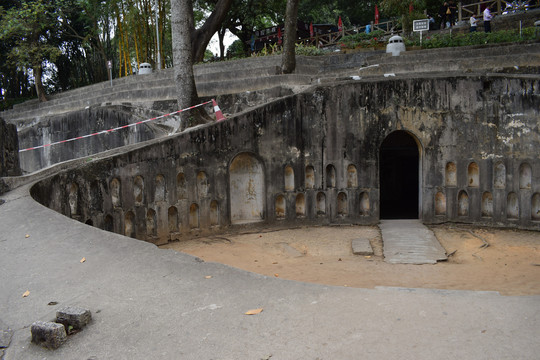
x: 321, y: 156
x: 9, y: 147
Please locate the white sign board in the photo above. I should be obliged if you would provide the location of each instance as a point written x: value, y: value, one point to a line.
x: 421, y: 25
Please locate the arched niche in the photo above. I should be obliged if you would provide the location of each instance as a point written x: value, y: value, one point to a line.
x: 525, y: 176
x: 450, y: 175
x: 89, y: 222
x: 365, y: 206
x: 310, y: 177
x: 321, y: 203
x: 281, y: 207
x: 463, y: 203
x: 108, y: 223
x: 300, y: 205
x: 487, y: 204
x: 151, y: 221
x: 473, y: 175
x: 95, y: 194
x: 202, y: 185
x: 181, y: 188
x: 160, y: 188
x: 342, y: 204
x: 129, y: 224
x: 352, y: 177
x: 512, y: 206
x: 535, y: 207
x: 499, y: 176
x: 194, y: 216
x: 399, y: 176
x: 440, y: 203
x: 73, y: 198
x: 172, y: 219
x: 214, y: 213
x: 246, y: 189
x: 138, y: 189
x: 289, y: 178
x: 330, y: 176
x: 115, y: 193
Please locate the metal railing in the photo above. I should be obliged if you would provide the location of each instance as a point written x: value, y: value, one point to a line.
x: 330, y: 39
x: 501, y: 7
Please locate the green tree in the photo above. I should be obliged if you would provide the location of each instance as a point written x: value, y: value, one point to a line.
x: 31, y: 27
x: 401, y: 9
x: 328, y: 12
x: 246, y: 16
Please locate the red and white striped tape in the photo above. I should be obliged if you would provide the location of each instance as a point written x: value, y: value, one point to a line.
x: 117, y: 128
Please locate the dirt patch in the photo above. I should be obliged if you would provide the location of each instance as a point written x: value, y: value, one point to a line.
x: 509, y: 265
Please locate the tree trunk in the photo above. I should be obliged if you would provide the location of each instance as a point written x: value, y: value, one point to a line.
x: 201, y: 37
x: 288, y: 60
x: 40, y: 90
x: 182, y: 28
x: 221, y: 36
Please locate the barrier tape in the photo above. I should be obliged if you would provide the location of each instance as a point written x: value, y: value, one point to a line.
x: 114, y: 129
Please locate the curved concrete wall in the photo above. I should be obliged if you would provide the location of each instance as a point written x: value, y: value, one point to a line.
x: 79, y: 123
x: 316, y: 157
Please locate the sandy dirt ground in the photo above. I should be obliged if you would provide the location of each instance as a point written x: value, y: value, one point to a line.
x: 509, y: 265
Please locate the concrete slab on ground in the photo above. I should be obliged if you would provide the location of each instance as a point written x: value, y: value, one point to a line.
x: 410, y: 242
x: 361, y: 246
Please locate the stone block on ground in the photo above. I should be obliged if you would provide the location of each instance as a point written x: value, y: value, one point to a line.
x: 73, y: 316
x: 361, y: 246
x: 5, y: 337
x: 48, y: 334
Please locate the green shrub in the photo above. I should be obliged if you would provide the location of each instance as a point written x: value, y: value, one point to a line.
x: 475, y: 38
x: 362, y: 39
x: 308, y: 50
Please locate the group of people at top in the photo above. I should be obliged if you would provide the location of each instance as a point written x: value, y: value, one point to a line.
x: 447, y: 15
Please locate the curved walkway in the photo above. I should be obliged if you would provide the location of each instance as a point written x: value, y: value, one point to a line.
x: 149, y: 303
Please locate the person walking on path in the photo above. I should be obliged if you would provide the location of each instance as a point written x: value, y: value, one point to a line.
x: 473, y: 22
x: 442, y: 14
x: 487, y: 19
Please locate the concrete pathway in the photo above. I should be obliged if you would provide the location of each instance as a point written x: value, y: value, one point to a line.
x: 151, y: 303
x: 410, y: 242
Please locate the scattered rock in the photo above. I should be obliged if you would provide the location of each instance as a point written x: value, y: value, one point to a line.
x: 73, y: 317
x: 48, y: 334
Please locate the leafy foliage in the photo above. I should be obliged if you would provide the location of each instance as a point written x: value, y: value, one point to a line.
x: 475, y: 38
x: 362, y: 39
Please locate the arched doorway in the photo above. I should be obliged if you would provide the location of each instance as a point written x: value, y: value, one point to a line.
x: 246, y: 189
x: 399, y: 176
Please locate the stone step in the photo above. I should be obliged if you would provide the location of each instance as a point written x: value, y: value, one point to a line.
x: 410, y: 242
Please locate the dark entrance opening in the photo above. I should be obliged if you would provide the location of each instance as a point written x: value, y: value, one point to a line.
x: 398, y: 176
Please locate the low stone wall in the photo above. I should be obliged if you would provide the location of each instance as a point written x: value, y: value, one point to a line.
x: 461, y: 149
x: 9, y: 150
x: 85, y: 122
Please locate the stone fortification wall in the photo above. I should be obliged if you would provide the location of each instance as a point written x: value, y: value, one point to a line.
x: 461, y: 149
x: 9, y: 148
x: 74, y: 124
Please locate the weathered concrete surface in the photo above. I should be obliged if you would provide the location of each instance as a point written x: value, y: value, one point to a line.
x: 410, y: 242
x: 361, y: 246
x: 149, y: 303
x: 9, y: 150
x: 315, y: 158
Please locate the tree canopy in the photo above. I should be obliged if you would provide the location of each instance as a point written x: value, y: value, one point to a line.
x: 70, y: 41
